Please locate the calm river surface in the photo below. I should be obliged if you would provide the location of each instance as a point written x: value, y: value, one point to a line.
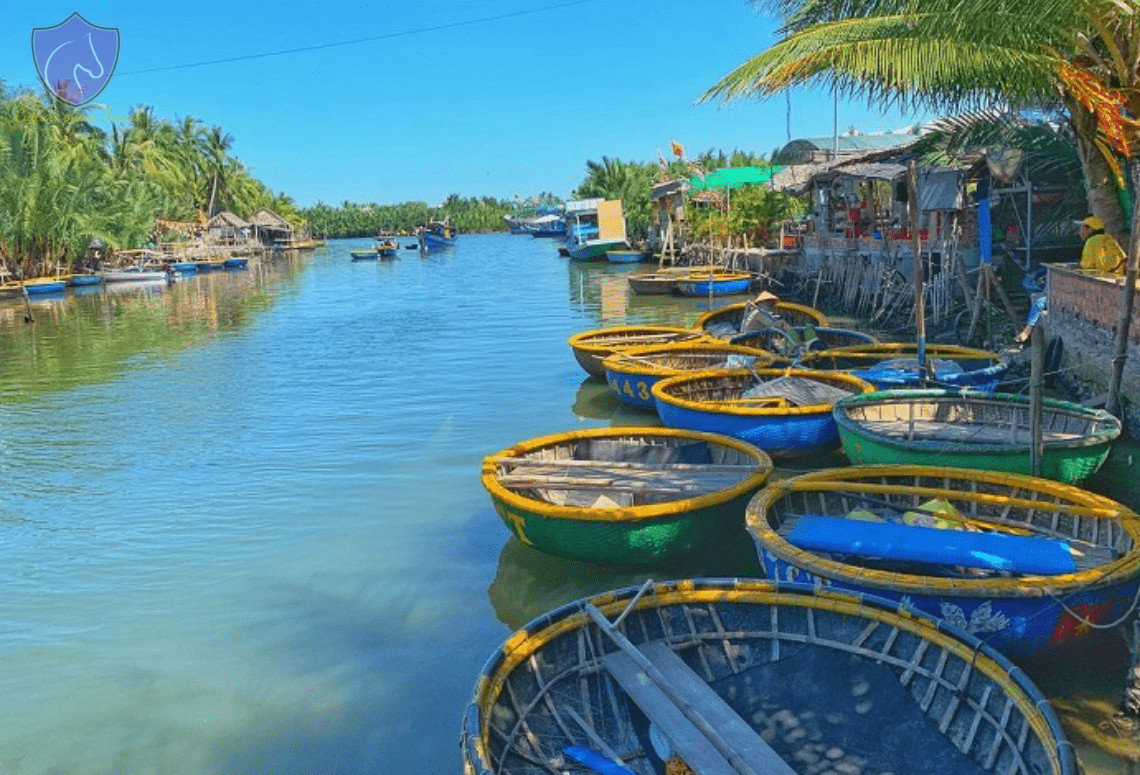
x: 241, y: 524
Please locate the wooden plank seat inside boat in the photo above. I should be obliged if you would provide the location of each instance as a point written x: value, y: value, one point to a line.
x: 691, y: 692
x: 626, y: 483
x: 937, y: 430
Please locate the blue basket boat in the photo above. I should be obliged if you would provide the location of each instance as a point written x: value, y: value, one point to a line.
x: 895, y: 365
x: 1016, y: 602
x: 713, y: 283
x: 785, y: 412
x: 742, y: 676
x: 632, y: 373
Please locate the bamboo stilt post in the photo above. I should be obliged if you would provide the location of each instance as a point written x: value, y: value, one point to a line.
x: 916, y: 236
x: 1124, y: 321
x: 1036, y: 382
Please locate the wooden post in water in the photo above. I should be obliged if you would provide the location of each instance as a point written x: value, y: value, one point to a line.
x: 916, y: 243
x: 1124, y: 321
x: 1036, y: 382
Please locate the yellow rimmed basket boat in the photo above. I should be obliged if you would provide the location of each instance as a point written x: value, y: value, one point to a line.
x: 892, y: 365
x: 625, y: 495
x: 664, y: 280
x: 740, y: 676
x: 967, y: 429
x: 1029, y: 565
x: 792, y: 418
x: 725, y: 322
x: 632, y: 373
x: 592, y: 347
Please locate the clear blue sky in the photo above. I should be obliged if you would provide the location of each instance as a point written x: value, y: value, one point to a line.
x: 498, y: 107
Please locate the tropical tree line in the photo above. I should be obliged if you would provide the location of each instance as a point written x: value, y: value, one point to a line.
x: 752, y: 210
x: 65, y: 181
x: 353, y: 219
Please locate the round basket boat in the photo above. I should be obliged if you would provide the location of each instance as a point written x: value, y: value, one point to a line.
x: 894, y: 365
x: 731, y: 316
x: 625, y: 495
x: 793, y: 419
x: 933, y: 566
x: 714, y: 284
x: 633, y: 372
x: 728, y: 675
x: 592, y: 347
x: 788, y: 343
x: 990, y: 431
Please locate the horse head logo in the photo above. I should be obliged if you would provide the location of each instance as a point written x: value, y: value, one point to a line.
x: 75, y: 58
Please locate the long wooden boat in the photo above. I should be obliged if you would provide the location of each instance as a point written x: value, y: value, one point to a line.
x: 184, y: 267
x: 594, y: 346
x: 796, y: 340
x: 786, y: 412
x: 363, y: 254
x: 84, y: 279
x: 1015, y: 607
x: 716, y: 676
x: 435, y: 235
x: 133, y: 274
x: 725, y: 322
x: 625, y: 495
x: 990, y: 431
x: 892, y: 365
x: 235, y: 262
x: 387, y: 249
x: 664, y: 280
x: 632, y: 373
x: 714, y: 284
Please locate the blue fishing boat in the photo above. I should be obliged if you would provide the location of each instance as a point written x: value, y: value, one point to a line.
x: 80, y: 280
x: 739, y: 676
x: 236, y: 263
x: 365, y: 254
x: 39, y: 286
x: 434, y: 235
x: 387, y: 249
x: 184, y: 267
x: 893, y: 365
x: 594, y: 226
x: 714, y: 284
x: 785, y: 412
x: 624, y: 256
x: 952, y: 543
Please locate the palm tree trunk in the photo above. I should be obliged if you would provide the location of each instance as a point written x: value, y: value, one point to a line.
x: 213, y: 193
x: 1101, y: 187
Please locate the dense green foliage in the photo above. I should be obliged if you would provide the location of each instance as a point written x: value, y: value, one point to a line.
x: 64, y: 181
x: 366, y: 220
x: 752, y: 211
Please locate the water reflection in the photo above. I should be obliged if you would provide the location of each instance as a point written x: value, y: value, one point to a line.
x: 94, y: 333
x: 594, y: 400
x: 528, y: 583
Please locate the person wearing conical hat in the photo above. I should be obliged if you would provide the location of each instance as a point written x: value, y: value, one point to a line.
x: 1101, y: 253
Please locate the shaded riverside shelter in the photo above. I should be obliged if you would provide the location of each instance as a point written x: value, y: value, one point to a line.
x: 270, y: 228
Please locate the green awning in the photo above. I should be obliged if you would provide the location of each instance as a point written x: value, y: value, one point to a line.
x: 733, y: 177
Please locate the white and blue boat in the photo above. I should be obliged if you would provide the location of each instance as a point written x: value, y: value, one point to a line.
x: 434, y: 235
x: 594, y: 227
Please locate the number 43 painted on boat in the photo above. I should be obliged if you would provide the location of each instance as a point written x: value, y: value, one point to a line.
x: 639, y: 390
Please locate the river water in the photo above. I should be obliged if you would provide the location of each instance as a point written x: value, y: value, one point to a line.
x: 241, y: 524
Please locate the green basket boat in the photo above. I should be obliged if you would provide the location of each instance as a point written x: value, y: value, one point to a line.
x: 625, y: 495
x: 987, y: 431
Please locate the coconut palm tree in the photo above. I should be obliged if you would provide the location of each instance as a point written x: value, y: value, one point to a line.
x: 1077, y: 56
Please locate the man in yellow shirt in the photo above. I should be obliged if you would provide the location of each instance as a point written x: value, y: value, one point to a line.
x: 1102, y: 253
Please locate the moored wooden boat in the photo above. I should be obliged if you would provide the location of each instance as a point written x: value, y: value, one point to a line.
x: 1021, y: 613
x: 184, y: 267
x: 727, y: 321
x: 714, y: 284
x: 84, y: 279
x: 631, y: 373
x: 363, y: 254
x: 592, y: 347
x: 716, y: 676
x: 387, y: 249
x: 663, y: 280
x: 990, y: 431
x: 891, y: 365
x: 616, y: 256
x: 799, y: 339
x: 625, y: 495
x: 133, y: 274
x: 234, y: 262
x: 786, y: 412
x: 40, y: 286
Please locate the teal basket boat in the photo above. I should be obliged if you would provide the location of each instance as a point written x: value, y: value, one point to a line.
x: 988, y: 431
x: 637, y: 496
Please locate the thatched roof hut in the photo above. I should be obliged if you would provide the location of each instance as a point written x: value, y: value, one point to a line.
x: 227, y: 225
x: 270, y: 227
